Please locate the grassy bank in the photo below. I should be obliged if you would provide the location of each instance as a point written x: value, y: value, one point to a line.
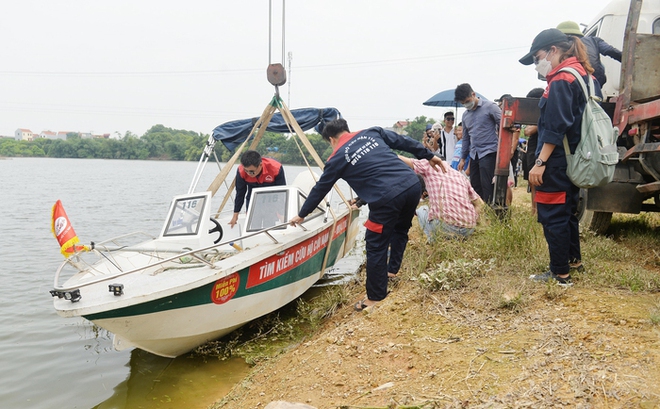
x: 465, y: 327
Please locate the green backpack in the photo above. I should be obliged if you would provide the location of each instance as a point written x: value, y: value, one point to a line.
x: 596, y: 155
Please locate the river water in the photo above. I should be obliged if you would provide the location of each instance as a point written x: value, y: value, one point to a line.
x: 52, y: 362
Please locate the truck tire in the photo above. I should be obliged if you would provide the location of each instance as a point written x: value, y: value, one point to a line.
x: 598, y: 222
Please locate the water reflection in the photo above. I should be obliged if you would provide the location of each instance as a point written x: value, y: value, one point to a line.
x: 193, y: 380
x: 346, y: 269
x: 52, y: 362
x: 187, y: 381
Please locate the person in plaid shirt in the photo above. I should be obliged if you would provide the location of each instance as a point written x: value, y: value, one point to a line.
x: 453, y: 204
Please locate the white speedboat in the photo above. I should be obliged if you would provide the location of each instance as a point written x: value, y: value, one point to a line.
x: 196, y: 281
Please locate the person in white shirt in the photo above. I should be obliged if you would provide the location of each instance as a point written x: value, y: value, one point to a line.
x: 447, y: 138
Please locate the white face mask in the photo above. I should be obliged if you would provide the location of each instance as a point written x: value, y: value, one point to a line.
x: 543, y: 67
x: 468, y: 105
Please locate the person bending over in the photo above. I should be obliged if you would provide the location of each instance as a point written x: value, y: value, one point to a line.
x: 254, y: 171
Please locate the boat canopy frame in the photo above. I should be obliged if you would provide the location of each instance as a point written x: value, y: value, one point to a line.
x: 233, y: 132
x: 258, y: 129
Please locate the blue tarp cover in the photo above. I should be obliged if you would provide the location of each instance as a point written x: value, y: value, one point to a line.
x: 233, y: 133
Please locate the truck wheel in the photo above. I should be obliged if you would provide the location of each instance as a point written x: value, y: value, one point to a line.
x: 598, y: 222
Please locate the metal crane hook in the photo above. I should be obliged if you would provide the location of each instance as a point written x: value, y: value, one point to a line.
x: 275, y: 73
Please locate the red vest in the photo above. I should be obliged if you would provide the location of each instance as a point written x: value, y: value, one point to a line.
x: 270, y: 168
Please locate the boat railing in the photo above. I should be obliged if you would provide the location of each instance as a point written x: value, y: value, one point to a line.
x: 60, y: 291
x: 115, y: 239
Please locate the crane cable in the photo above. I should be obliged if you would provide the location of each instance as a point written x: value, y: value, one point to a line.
x: 270, y: 29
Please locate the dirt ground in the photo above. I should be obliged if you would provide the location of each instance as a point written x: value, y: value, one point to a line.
x: 587, y: 349
x: 580, y: 348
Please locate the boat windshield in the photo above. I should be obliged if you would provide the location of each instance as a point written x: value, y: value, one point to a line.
x: 184, y: 219
x: 267, y: 209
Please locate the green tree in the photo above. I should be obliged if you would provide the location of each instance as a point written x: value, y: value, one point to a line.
x: 132, y: 148
x: 7, y: 146
x: 57, y: 149
x: 24, y: 148
x: 88, y: 148
x: 154, y: 141
x: 160, y: 142
x: 196, y: 146
x: 107, y: 148
x: 43, y: 144
x: 36, y: 151
x: 293, y: 145
x: 175, y: 149
x: 417, y: 127
x: 167, y: 143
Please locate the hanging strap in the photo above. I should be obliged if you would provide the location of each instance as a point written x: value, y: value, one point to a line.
x: 588, y: 94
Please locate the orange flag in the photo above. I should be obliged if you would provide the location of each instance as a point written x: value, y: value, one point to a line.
x: 63, y: 231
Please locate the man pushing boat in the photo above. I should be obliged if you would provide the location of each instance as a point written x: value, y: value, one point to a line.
x: 365, y: 160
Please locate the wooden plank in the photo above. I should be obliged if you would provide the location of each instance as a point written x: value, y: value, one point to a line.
x: 646, y: 76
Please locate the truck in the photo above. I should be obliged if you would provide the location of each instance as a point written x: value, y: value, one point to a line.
x: 631, y: 99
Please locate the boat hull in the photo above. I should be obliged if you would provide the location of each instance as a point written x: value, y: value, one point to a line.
x: 174, y: 332
x: 177, y: 323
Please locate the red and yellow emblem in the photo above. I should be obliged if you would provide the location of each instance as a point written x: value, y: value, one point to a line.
x: 225, y: 288
x: 63, y: 231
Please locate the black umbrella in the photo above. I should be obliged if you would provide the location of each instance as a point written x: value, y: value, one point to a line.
x: 446, y: 99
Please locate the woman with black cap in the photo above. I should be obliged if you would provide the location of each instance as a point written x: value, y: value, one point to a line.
x: 562, y: 105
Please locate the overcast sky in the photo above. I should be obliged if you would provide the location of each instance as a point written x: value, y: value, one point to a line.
x: 118, y: 66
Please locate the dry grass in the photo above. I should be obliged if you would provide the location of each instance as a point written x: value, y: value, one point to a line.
x: 458, y: 331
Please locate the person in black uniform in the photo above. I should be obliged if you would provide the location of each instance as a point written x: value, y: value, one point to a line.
x: 595, y: 47
x: 365, y: 160
x: 562, y: 105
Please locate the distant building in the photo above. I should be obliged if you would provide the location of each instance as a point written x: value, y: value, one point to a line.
x: 48, y: 135
x: 400, y: 126
x: 89, y: 135
x: 23, y: 135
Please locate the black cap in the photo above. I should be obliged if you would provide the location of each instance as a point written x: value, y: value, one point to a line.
x: 503, y: 97
x: 543, y: 40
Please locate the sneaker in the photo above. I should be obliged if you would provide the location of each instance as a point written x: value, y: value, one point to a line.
x: 549, y: 275
x: 574, y: 267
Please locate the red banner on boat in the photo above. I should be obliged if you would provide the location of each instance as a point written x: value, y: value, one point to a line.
x: 340, y: 228
x: 289, y: 259
x: 63, y: 231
